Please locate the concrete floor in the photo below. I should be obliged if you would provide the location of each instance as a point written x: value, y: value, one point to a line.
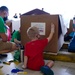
x: 59, y: 68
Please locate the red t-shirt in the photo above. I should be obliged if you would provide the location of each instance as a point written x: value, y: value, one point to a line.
x: 34, y: 52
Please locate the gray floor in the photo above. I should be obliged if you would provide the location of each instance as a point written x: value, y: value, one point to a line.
x: 59, y: 68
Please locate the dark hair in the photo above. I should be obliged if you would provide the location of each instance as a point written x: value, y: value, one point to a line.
x: 5, y: 18
x: 3, y: 8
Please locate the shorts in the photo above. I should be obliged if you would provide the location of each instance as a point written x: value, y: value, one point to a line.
x: 5, y: 45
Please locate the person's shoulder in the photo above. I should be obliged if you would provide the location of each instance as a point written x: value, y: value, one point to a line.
x: 43, y: 39
x: 1, y: 18
x: 27, y: 44
x: 1, y: 21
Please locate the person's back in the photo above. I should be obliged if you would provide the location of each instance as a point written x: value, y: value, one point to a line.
x: 34, y: 51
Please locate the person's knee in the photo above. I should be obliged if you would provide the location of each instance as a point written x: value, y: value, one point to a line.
x: 50, y: 63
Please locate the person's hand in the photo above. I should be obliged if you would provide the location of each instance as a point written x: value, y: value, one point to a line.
x: 19, y: 42
x: 23, y: 67
x: 52, y: 28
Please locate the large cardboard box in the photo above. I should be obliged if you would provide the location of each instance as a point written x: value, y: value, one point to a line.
x: 26, y: 22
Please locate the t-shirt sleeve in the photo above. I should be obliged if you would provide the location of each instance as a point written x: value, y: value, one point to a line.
x: 44, y: 42
x: 2, y: 26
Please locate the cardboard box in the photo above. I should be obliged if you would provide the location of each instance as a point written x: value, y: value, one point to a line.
x: 47, y: 19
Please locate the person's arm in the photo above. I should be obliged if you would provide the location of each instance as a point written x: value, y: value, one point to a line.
x: 15, y: 37
x: 25, y: 62
x: 17, y: 41
x: 51, y: 33
x: 3, y: 36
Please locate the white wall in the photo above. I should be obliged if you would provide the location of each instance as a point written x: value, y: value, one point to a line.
x: 63, y: 7
x: 15, y: 24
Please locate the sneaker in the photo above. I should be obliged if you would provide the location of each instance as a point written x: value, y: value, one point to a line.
x: 16, y: 70
x: 46, y: 70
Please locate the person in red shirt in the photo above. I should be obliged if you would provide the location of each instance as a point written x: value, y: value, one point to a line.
x: 33, y: 53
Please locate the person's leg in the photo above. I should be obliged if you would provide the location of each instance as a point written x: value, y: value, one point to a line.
x: 6, y: 47
x: 46, y: 70
x: 50, y: 64
x: 9, y: 46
